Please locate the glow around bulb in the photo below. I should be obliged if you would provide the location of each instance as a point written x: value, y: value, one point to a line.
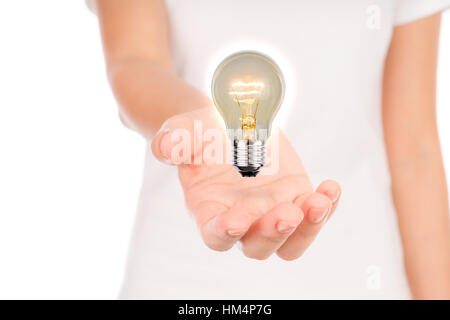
x: 248, y: 89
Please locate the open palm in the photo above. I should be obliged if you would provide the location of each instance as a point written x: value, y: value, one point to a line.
x: 277, y: 211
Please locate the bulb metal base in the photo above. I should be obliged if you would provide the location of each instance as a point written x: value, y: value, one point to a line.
x: 249, y: 156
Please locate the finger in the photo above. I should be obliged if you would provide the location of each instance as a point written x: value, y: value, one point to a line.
x: 333, y: 191
x: 221, y: 227
x: 180, y: 139
x: 316, y: 207
x: 156, y: 145
x: 174, y: 132
x: 268, y: 233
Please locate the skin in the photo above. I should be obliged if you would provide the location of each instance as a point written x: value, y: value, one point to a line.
x: 282, y: 213
x: 418, y: 179
x: 270, y: 213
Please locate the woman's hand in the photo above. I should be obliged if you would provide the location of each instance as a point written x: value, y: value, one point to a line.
x: 277, y: 212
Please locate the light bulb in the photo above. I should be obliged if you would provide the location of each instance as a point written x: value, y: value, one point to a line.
x: 247, y: 89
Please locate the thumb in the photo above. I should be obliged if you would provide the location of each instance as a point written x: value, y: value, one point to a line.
x: 179, y: 141
x: 156, y: 143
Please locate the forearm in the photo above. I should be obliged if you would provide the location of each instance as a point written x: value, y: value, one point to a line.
x: 137, y: 52
x: 420, y: 196
x: 149, y: 94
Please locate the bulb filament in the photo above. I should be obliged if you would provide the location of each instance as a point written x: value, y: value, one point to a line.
x: 247, y: 95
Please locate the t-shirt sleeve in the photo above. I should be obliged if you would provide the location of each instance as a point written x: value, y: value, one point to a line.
x: 410, y: 10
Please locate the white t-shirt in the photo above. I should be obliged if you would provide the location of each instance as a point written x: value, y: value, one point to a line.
x: 332, y: 55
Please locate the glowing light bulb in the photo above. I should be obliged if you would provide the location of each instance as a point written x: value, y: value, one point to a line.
x: 248, y: 89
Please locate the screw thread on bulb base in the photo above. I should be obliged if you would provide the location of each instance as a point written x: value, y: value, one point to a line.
x: 249, y: 156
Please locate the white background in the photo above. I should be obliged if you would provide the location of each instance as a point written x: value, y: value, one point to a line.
x: 69, y: 172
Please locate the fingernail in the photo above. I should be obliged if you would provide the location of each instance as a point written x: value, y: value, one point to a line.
x: 333, y: 195
x: 235, y: 233
x: 163, y: 130
x: 316, y: 215
x: 285, y: 227
x: 164, y: 144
